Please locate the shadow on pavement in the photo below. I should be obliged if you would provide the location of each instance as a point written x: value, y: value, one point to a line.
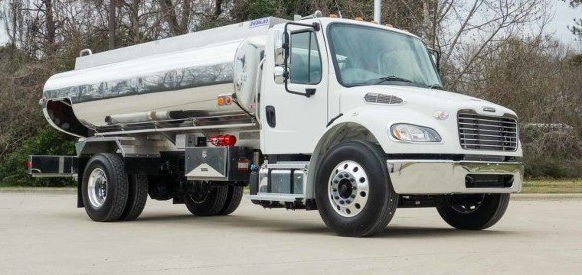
x: 311, y: 226
x: 420, y: 232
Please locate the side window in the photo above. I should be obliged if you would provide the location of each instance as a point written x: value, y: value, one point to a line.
x: 305, y: 59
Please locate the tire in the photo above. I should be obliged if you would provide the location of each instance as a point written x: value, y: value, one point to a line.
x: 353, y: 192
x: 210, y: 203
x: 233, y: 199
x: 489, y: 210
x: 105, y: 202
x: 137, y: 197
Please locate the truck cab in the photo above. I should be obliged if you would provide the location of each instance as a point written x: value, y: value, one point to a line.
x: 344, y: 116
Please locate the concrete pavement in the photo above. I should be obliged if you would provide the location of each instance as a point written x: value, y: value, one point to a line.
x: 45, y: 233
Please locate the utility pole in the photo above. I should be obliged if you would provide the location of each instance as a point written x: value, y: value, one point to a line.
x: 378, y: 11
x: 112, y: 6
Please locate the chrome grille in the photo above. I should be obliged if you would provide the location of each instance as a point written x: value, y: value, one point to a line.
x: 478, y: 132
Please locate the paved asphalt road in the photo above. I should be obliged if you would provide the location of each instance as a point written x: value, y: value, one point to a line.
x: 45, y: 233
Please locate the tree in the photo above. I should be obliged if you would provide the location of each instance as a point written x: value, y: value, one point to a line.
x: 468, y: 32
x: 112, y: 23
x: 577, y: 27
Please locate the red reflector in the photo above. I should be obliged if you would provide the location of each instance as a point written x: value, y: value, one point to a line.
x: 223, y: 140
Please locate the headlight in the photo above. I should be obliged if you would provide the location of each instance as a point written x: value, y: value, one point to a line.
x: 414, y: 133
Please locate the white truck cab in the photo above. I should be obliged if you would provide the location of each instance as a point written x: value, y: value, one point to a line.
x: 343, y: 116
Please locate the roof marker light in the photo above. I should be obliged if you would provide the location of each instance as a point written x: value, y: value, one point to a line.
x: 224, y: 100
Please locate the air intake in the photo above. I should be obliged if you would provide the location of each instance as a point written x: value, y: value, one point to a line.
x: 383, y: 99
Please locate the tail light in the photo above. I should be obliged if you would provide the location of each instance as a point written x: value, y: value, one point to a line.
x: 223, y: 140
x: 28, y: 164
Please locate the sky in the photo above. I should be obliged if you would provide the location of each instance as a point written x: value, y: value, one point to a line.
x: 563, y: 16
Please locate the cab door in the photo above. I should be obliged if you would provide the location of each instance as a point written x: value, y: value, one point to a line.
x: 294, y: 114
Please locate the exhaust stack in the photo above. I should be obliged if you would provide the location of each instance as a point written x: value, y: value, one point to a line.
x: 378, y: 11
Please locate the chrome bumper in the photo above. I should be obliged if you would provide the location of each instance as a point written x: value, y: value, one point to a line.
x: 448, y: 177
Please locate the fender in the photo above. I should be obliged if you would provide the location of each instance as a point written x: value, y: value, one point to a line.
x: 373, y: 124
x: 341, y: 129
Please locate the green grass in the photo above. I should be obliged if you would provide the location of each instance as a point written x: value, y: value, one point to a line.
x: 7, y: 185
x: 552, y: 186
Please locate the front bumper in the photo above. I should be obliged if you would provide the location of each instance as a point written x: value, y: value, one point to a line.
x: 417, y: 177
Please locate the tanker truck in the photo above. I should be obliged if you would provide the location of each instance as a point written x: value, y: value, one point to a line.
x: 321, y: 113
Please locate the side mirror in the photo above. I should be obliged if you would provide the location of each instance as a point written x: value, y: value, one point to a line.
x: 279, y: 56
x: 436, y: 57
x: 281, y: 50
x: 280, y: 43
x: 279, y: 73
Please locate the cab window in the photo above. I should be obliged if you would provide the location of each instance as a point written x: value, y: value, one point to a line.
x: 305, y: 59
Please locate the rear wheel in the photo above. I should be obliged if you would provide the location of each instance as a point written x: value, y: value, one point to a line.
x: 207, y: 199
x: 353, y: 191
x: 233, y: 199
x: 105, y: 187
x: 137, y: 197
x: 475, y: 212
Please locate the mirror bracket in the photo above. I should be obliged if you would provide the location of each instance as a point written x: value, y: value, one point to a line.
x: 286, y: 47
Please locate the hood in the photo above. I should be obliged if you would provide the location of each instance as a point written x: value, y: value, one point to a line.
x: 420, y: 99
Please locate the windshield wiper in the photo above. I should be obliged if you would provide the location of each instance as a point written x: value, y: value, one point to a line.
x: 393, y: 78
x: 436, y: 87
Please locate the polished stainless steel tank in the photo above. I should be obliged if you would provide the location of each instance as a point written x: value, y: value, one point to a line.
x: 179, y: 76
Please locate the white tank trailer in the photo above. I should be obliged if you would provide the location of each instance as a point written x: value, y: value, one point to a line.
x: 322, y: 113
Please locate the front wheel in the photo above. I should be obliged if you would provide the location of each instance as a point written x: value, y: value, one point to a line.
x: 353, y: 191
x: 474, y: 212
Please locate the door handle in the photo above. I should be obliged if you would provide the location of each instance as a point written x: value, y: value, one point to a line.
x: 271, y: 117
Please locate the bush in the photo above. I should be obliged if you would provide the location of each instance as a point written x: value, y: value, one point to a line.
x: 553, y: 154
x: 47, y: 141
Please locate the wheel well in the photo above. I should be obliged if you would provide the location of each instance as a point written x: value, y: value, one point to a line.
x: 340, y: 133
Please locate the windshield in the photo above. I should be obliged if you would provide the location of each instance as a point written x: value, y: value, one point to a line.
x: 367, y: 55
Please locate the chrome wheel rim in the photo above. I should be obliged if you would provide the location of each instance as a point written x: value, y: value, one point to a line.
x: 97, y: 188
x: 348, y: 188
